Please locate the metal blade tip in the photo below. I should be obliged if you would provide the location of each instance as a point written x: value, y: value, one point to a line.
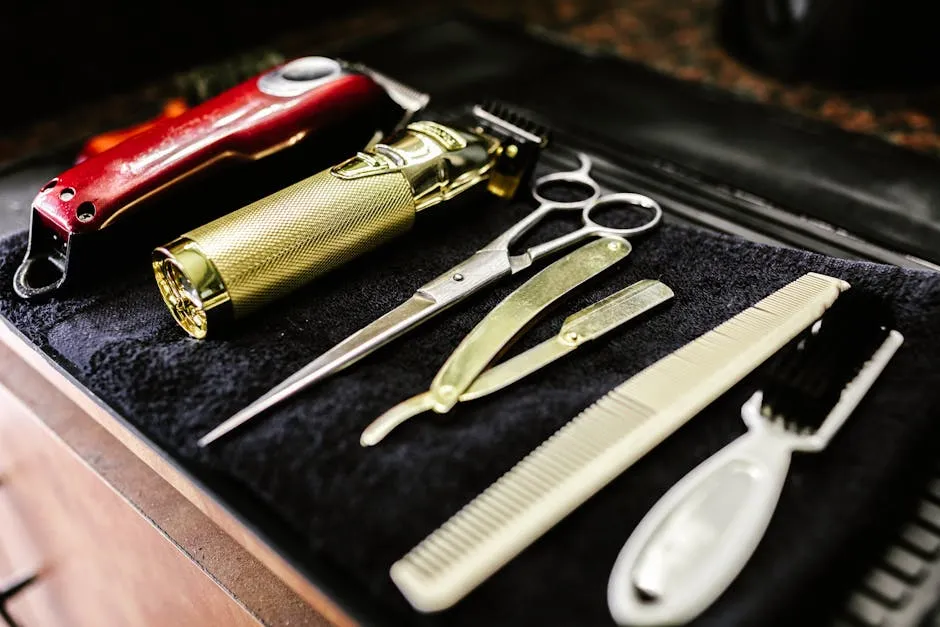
x: 227, y: 427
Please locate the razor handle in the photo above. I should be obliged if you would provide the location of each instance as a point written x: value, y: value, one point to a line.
x: 240, y: 262
x: 299, y: 100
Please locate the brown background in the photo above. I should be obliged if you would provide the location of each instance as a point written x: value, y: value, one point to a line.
x: 676, y: 37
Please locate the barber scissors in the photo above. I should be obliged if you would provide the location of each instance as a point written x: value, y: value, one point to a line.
x: 489, y: 264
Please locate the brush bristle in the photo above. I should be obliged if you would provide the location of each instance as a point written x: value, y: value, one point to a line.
x: 804, y: 381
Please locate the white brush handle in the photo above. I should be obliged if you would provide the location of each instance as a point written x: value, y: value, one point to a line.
x: 697, y: 538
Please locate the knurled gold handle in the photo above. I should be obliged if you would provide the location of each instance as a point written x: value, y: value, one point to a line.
x: 234, y: 265
x: 277, y: 244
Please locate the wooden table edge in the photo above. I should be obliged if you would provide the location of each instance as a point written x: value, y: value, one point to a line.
x: 179, y: 480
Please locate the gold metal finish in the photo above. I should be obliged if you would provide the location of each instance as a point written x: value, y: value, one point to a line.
x: 506, y: 184
x: 583, y: 326
x: 587, y: 324
x: 191, y: 286
x: 439, y: 162
x: 499, y: 328
x: 277, y: 244
x: 510, y: 317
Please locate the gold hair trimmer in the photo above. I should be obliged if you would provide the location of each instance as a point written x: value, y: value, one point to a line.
x: 234, y: 265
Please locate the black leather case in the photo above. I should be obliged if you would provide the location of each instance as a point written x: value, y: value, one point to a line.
x: 784, y: 176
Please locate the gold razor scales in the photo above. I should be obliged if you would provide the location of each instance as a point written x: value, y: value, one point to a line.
x: 234, y: 265
x: 600, y: 443
x: 463, y: 374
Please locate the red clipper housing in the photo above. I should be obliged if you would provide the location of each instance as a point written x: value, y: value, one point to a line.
x: 296, y: 101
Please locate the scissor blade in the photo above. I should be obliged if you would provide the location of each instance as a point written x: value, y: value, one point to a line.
x: 583, y: 326
x: 383, y: 330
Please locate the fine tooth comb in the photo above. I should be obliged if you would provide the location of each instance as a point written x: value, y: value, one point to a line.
x: 600, y: 443
x: 696, y: 540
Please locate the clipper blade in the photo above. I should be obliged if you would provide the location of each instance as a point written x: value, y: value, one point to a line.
x: 501, y: 118
x: 521, y: 138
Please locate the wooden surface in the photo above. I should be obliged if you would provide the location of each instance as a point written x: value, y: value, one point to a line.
x: 99, y: 561
x: 108, y: 519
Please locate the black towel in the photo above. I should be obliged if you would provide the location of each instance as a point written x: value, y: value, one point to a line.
x: 358, y: 510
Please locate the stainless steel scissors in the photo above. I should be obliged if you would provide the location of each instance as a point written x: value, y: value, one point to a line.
x: 487, y: 265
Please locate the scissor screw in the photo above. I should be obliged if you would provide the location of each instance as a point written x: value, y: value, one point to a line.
x: 572, y: 336
x: 614, y: 245
x: 458, y: 277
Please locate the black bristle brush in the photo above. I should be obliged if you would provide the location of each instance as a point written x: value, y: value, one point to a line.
x: 696, y: 540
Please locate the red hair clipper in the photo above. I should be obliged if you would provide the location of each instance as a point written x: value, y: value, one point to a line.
x: 300, y: 100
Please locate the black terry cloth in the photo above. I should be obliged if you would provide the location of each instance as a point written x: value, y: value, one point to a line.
x: 358, y: 510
